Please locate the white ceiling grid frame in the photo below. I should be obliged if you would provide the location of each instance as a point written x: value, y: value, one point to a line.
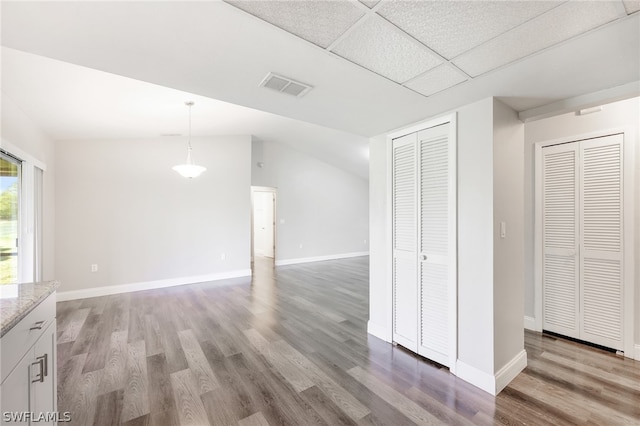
x: 436, y: 80
x: 384, y: 49
x: 320, y: 22
x: 451, y: 28
x: 555, y: 26
x: 632, y: 6
x: 370, y: 3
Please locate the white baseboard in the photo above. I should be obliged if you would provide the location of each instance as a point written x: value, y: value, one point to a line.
x: 488, y: 382
x: 320, y: 258
x: 477, y: 378
x: 637, y: 353
x: 379, y: 331
x: 149, y: 285
x: 506, y: 374
x: 530, y: 323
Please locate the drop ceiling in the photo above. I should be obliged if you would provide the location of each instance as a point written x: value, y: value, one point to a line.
x: 373, y: 65
x: 430, y: 46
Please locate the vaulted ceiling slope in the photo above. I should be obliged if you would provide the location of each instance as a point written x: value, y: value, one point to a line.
x: 374, y: 65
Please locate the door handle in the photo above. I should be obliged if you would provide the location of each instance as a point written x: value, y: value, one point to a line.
x: 423, y: 257
x: 45, y: 362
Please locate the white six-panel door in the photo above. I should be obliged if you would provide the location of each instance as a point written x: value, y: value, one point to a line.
x: 583, y: 279
x: 423, y: 230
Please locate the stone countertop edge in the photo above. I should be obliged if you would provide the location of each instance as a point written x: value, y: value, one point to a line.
x: 29, y: 295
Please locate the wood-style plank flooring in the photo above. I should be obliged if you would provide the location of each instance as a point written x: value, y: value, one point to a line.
x: 291, y: 347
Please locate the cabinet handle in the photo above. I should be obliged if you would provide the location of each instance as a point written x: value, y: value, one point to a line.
x: 40, y: 375
x: 37, y: 326
x: 45, y: 361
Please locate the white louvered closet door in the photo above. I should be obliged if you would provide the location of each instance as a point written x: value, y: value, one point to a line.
x: 405, y: 232
x: 560, y: 267
x: 601, y: 256
x: 434, y: 223
x: 583, y: 283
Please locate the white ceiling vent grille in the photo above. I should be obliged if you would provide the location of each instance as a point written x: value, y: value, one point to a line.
x: 285, y: 85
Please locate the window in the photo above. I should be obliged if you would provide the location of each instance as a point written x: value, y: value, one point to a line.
x: 10, y: 179
x: 21, y: 216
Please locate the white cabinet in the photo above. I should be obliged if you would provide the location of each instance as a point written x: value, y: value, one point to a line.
x: 424, y: 242
x: 28, y: 389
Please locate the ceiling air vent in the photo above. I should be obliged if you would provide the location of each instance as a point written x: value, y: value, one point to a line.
x: 285, y: 85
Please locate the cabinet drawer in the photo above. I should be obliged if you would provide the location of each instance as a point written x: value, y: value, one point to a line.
x: 21, y: 337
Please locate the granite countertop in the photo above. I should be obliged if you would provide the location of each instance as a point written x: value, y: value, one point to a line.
x: 17, y: 300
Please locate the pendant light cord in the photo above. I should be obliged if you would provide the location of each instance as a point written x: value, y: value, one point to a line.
x: 189, y: 104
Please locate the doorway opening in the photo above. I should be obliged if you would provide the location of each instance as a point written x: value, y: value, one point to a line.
x: 263, y: 225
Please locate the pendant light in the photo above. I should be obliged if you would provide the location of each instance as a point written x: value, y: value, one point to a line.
x: 189, y: 170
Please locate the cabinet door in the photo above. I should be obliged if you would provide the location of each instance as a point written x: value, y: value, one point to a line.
x: 44, y: 391
x: 15, y: 392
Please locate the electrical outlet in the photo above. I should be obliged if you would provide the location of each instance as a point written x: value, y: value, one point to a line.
x: 223, y: 256
x: 365, y: 241
x: 300, y: 245
x: 94, y: 267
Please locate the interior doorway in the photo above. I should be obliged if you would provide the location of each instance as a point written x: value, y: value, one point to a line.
x: 263, y: 241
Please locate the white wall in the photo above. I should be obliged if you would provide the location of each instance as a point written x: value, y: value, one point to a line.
x: 379, y: 231
x: 324, y: 208
x: 475, y: 235
x: 120, y: 206
x: 508, y: 252
x: 20, y: 131
x: 622, y: 114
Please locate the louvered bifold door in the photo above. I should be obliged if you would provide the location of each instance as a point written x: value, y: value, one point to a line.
x: 434, y: 223
x: 405, y: 281
x: 560, y: 231
x: 601, y: 257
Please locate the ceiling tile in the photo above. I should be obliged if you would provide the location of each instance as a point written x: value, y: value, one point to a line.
x: 436, y: 80
x: 559, y: 24
x: 632, y: 6
x: 380, y: 47
x: 453, y: 27
x: 370, y: 3
x: 320, y: 22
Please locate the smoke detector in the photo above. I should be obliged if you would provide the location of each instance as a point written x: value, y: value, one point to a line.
x: 285, y: 85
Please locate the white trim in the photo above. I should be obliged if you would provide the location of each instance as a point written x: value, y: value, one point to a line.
x: 628, y: 225
x: 477, y: 378
x: 530, y: 323
x: 379, y: 331
x: 433, y: 122
x: 149, y: 285
x: 320, y: 258
x: 637, y: 353
x: 22, y: 155
x: 490, y: 383
x: 509, y: 372
x: 602, y: 97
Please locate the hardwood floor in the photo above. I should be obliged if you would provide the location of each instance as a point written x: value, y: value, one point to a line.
x: 290, y: 347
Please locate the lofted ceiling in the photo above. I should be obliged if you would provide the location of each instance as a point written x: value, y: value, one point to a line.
x: 373, y: 65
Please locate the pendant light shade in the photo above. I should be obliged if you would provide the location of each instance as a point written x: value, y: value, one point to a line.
x: 189, y: 169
